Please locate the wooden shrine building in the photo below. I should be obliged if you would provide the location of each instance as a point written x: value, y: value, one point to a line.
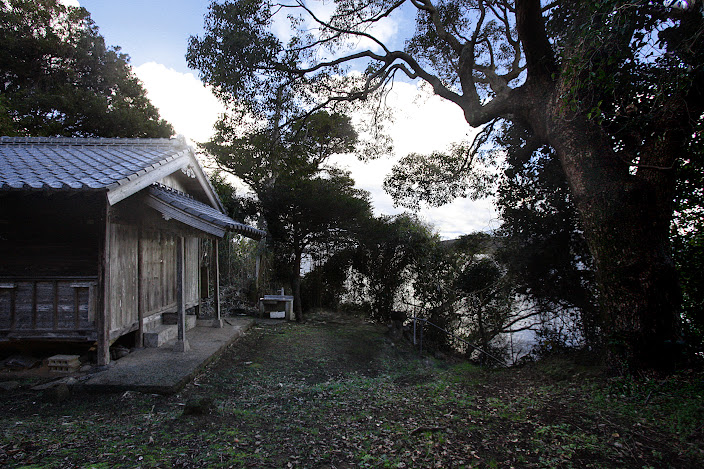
x: 100, y: 238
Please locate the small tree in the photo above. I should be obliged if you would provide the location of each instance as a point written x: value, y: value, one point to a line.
x: 302, y: 213
x: 464, y: 288
x: 434, y: 293
x: 389, y: 247
x: 302, y: 200
x: 487, y: 299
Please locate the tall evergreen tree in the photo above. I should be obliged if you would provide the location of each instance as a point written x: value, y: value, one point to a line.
x: 303, y: 200
x: 57, y: 77
x: 304, y: 212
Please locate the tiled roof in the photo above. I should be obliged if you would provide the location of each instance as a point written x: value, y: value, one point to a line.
x: 115, y: 165
x: 81, y: 163
x: 201, y: 211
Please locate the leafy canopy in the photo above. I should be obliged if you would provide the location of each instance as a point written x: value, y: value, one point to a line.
x: 304, y: 201
x: 57, y: 77
x: 388, y: 249
x: 260, y: 154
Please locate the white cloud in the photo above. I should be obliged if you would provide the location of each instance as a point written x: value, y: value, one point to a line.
x: 182, y: 100
x: 383, y: 30
x: 423, y: 123
x: 463, y: 216
x: 70, y: 3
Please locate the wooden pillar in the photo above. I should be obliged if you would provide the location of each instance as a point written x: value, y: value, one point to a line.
x: 140, y: 301
x: 181, y: 342
x: 102, y: 322
x: 217, y: 322
x: 197, y: 272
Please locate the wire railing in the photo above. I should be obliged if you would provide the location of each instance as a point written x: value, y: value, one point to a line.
x: 418, y: 328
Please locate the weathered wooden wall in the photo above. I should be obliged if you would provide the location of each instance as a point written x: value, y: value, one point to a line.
x: 158, y: 271
x: 175, y: 182
x: 50, y: 251
x: 192, y: 288
x: 49, y: 261
x: 143, y: 274
x: 123, y: 265
x: 49, y: 308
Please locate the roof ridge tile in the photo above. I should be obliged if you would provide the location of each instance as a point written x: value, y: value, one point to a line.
x: 93, y: 141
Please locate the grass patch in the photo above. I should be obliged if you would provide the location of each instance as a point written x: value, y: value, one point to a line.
x: 337, y: 392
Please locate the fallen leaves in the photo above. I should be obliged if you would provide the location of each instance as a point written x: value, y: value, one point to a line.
x: 335, y: 394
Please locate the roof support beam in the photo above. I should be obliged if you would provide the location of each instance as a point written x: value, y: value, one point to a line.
x: 102, y: 317
x: 118, y: 192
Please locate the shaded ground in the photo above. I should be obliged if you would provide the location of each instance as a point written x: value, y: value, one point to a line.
x: 336, y: 392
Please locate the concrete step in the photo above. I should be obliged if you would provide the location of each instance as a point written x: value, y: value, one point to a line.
x: 152, y: 322
x: 159, y: 334
x: 191, y: 321
x: 172, y: 318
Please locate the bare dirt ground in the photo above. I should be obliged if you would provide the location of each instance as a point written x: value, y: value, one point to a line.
x: 336, y: 392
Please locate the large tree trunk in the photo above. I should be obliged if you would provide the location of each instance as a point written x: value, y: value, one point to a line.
x: 626, y: 224
x: 625, y: 212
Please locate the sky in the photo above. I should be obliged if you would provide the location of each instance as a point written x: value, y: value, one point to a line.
x: 155, y: 33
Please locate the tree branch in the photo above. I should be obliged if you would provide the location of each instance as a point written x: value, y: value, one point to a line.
x: 443, y: 34
x: 540, y: 58
x: 476, y: 113
x: 341, y: 30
